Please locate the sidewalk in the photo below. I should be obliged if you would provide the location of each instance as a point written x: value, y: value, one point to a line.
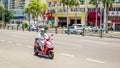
x: 110, y: 34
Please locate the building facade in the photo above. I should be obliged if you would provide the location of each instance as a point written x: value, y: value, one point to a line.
x: 86, y: 14
x: 1, y: 4
x: 18, y: 9
x: 5, y: 3
x: 59, y: 14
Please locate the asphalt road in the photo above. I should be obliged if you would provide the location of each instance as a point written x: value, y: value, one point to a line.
x: 73, y: 51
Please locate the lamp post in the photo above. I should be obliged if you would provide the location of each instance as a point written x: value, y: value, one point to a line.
x: 101, y: 21
x: 3, y: 14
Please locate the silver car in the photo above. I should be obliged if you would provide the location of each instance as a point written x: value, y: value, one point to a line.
x: 75, y: 29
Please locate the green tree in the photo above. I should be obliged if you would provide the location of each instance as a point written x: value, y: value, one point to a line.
x: 24, y: 25
x: 37, y: 8
x: 28, y: 11
x: 66, y: 3
x: 7, y: 15
x: 1, y: 24
x: 76, y: 4
x: 1, y: 11
x: 107, y: 4
x: 71, y: 3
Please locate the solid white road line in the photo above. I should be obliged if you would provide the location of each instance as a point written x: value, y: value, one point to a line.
x: 93, y: 60
x: 69, y: 44
x: 68, y: 55
x: 29, y: 46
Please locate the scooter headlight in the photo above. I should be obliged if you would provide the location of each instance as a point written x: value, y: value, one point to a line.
x: 50, y: 45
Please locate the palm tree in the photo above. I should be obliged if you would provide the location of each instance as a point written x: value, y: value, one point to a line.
x: 44, y: 7
x: 107, y: 4
x: 75, y: 3
x: 37, y: 8
x: 1, y: 10
x: 66, y: 3
x: 27, y: 10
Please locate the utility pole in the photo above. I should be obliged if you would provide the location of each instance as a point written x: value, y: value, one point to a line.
x: 75, y: 12
x: 67, y: 18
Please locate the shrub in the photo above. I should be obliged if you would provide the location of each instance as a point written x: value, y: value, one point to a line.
x: 24, y: 25
x: 0, y: 23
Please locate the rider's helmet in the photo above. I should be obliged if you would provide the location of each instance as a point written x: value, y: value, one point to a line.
x: 42, y: 31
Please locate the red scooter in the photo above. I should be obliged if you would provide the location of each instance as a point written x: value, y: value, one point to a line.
x: 48, y: 48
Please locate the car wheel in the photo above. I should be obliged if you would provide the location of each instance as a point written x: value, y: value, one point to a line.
x: 74, y: 32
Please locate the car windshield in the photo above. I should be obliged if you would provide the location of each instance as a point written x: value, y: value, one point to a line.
x: 79, y: 26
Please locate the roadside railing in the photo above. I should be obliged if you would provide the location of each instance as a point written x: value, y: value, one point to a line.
x: 86, y: 32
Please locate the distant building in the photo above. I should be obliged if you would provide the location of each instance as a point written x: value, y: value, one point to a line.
x: 86, y: 14
x: 17, y: 8
x: 1, y: 4
x: 5, y: 3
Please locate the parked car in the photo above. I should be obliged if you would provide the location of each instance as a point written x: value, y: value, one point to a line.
x: 95, y: 29
x: 75, y: 29
x: 32, y: 27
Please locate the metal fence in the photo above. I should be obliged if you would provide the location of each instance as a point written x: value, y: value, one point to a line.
x: 98, y: 33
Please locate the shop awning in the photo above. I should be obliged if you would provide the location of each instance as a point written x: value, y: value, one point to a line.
x: 116, y: 22
x: 93, y: 14
x: 92, y: 17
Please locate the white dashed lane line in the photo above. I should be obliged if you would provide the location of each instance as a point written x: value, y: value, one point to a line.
x: 68, y: 55
x: 18, y: 44
x: 10, y: 42
x: 29, y: 46
x: 93, y: 60
x: 2, y: 40
x: 68, y: 44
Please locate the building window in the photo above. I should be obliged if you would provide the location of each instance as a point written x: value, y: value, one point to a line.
x: 82, y: 9
x: 55, y: 3
x: 117, y: 9
x: 60, y: 4
x: 49, y: 4
x: 82, y: 3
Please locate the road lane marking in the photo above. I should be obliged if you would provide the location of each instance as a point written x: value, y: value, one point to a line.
x: 29, y: 46
x: 19, y: 44
x: 69, y: 44
x: 93, y: 60
x: 9, y: 41
x: 68, y: 55
x: 19, y: 36
x: 2, y: 40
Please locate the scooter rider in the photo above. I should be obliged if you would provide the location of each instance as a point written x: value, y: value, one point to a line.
x: 42, y: 36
